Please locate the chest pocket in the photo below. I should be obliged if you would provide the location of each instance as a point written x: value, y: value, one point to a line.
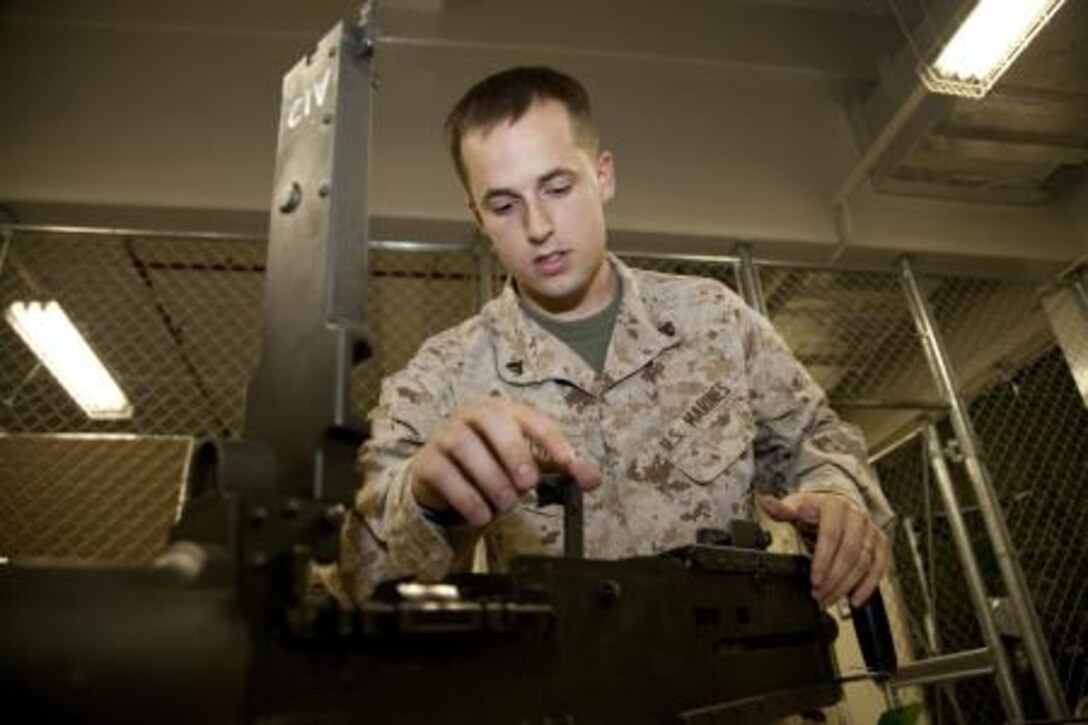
x: 704, y: 451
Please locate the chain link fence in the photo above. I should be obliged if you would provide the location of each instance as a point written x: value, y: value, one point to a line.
x: 178, y: 323
x: 854, y: 333
x: 1032, y: 428
x: 411, y: 296
x: 89, y: 497
x: 932, y: 582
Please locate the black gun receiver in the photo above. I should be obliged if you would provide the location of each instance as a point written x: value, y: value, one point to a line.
x: 703, y: 634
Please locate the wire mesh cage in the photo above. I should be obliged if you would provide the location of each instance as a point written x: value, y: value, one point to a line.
x: 89, y: 497
x: 853, y: 332
x: 931, y: 580
x: 1030, y: 424
x: 178, y: 323
x: 724, y: 270
x: 1034, y: 429
x: 411, y: 295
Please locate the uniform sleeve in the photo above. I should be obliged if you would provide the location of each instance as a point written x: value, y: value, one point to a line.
x: 801, y: 444
x: 387, y: 536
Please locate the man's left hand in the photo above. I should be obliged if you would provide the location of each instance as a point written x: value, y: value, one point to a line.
x: 851, y: 551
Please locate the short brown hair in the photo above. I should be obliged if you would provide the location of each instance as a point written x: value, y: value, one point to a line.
x: 507, y: 95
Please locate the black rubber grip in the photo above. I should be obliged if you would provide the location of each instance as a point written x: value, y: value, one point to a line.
x: 875, y: 635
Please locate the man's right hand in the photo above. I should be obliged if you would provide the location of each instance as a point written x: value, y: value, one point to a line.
x: 488, y: 455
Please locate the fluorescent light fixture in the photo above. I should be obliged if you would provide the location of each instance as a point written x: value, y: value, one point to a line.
x: 986, y: 43
x: 46, y: 329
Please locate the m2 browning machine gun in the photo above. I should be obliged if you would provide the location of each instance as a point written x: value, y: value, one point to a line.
x: 225, y: 626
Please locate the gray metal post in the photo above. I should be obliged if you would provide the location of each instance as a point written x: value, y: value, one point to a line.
x: 484, y: 272
x: 1006, y: 687
x: 1008, y: 563
x: 1081, y: 294
x: 748, y: 277
x: 929, y: 621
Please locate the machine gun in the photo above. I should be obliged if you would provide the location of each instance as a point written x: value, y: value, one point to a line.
x: 226, y: 627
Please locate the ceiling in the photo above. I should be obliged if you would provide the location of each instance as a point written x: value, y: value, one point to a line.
x: 1019, y: 144
x: 731, y: 119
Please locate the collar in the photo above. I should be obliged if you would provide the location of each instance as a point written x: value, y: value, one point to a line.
x: 526, y: 354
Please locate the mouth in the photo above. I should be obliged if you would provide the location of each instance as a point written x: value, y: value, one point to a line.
x: 551, y: 263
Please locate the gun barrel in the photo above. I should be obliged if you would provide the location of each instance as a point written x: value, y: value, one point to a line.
x: 119, y: 645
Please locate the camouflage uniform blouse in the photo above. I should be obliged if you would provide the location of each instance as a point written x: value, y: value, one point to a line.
x: 699, y: 398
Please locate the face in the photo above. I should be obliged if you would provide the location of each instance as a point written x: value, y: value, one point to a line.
x: 539, y: 197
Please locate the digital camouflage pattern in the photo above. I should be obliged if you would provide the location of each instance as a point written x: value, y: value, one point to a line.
x: 700, y: 402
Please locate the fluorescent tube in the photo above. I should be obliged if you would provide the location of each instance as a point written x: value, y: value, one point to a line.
x: 986, y: 43
x: 48, y: 331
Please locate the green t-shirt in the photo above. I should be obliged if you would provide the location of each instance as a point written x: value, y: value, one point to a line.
x: 589, y: 337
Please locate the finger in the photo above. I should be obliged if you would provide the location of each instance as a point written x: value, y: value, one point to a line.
x: 828, y: 537
x: 851, y: 561
x: 868, y: 585
x: 544, y: 432
x: 587, y: 475
x: 445, y: 482
x: 777, y: 509
x: 502, y: 433
x: 548, y: 436
x: 476, y: 461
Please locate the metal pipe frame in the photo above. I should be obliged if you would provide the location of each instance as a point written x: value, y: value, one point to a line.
x: 997, y: 660
x: 1081, y: 294
x: 944, y: 668
x: 436, y: 246
x: 748, y: 278
x: 1008, y: 562
x: 889, y: 404
x: 929, y: 618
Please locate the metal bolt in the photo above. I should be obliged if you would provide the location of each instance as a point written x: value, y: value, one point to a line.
x: 764, y: 539
x: 609, y: 592
x: 333, y: 516
x: 291, y: 198
x: 258, y: 515
x: 324, y: 190
x: 291, y: 507
x: 326, y: 118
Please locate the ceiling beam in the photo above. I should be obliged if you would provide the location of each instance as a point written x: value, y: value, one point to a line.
x: 1005, y: 147
x: 961, y: 192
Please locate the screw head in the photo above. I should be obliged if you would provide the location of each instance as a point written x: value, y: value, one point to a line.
x: 609, y: 592
x: 290, y: 198
x: 258, y: 516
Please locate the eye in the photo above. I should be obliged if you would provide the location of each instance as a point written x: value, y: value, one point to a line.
x: 500, y: 207
x: 559, y: 189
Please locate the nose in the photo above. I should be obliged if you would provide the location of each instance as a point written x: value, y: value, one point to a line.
x: 538, y: 223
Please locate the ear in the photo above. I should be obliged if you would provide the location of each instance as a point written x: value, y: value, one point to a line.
x: 606, y: 175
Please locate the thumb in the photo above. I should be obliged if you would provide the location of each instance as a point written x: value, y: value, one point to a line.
x: 777, y: 508
x: 795, y: 508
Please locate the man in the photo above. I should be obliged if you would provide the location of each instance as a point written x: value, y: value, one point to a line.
x: 665, y: 398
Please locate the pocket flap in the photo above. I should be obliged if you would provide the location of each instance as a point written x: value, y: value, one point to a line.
x: 703, y: 452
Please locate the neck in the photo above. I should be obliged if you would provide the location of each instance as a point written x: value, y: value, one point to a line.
x: 602, y: 289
